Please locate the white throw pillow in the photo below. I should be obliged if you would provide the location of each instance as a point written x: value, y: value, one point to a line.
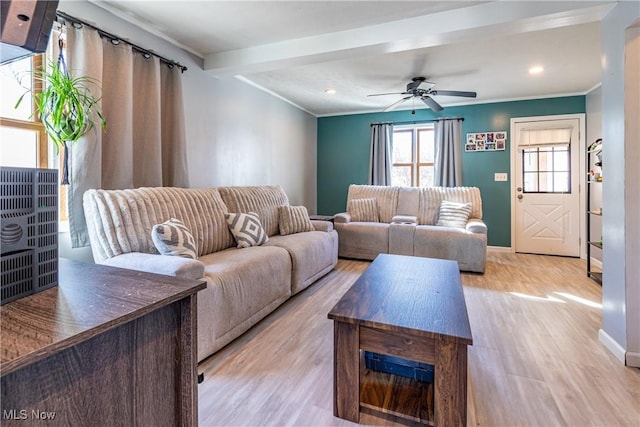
x: 172, y: 237
x: 246, y: 229
x: 453, y: 214
x: 293, y: 219
x: 363, y: 210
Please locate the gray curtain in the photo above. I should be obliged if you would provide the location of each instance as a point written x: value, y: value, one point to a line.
x: 144, y: 144
x: 380, y: 154
x: 448, y: 153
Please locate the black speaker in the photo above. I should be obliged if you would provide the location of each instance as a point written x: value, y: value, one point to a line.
x: 26, y: 27
x: 28, y: 231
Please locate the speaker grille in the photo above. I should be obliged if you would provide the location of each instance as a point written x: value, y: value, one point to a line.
x: 28, y: 231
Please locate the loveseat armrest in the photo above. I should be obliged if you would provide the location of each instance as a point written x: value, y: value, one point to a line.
x: 161, y: 264
x: 319, y: 225
x: 342, y: 218
x: 477, y: 226
x: 404, y: 219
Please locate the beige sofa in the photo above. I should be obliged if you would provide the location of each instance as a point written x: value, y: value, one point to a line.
x: 406, y: 225
x: 243, y: 285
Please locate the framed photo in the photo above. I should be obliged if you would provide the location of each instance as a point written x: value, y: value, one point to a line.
x: 486, y: 141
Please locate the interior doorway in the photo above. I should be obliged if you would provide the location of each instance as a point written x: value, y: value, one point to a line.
x: 546, y: 166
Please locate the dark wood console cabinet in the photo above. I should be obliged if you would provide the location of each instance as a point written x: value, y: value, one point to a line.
x: 107, y: 346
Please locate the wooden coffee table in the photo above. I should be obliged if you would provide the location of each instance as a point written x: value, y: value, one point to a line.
x: 413, y: 308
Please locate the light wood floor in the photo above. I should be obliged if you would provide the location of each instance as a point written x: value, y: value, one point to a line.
x: 535, y: 360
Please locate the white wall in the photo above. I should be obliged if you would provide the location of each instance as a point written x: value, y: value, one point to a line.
x: 236, y: 134
x: 632, y: 192
x: 621, y: 307
x: 246, y: 137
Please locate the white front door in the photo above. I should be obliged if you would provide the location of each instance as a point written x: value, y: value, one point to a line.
x: 546, y: 156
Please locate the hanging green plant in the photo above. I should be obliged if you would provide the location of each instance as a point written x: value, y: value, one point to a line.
x: 66, y: 105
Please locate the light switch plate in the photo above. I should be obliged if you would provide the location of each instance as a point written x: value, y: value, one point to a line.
x: 500, y: 177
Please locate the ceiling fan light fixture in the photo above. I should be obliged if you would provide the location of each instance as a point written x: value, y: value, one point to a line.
x: 538, y: 69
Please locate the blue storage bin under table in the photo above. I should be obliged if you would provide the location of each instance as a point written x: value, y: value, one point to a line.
x: 398, y: 366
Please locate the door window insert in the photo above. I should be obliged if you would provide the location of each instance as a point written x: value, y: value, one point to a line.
x: 546, y: 169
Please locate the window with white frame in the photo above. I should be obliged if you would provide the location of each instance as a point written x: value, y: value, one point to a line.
x: 412, y: 156
x: 546, y: 160
x: 23, y: 141
x: 546, y: 169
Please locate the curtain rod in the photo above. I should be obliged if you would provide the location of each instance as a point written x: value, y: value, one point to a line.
x: 145, y: 52
x: 416, y: 122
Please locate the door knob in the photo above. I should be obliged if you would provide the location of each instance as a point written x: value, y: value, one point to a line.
x: 520, y: 196
x: 519, y: 188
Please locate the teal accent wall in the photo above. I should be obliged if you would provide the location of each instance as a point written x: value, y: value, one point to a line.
x: 343, y: 153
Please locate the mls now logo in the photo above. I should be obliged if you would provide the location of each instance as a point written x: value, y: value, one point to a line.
x: 23, y: 414
x: 14, y: 414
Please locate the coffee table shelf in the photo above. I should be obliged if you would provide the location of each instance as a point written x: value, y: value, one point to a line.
x: 398, y: 396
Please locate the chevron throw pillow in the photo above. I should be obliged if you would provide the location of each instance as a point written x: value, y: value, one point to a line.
x: 172, y: 237
x: 246, y: 229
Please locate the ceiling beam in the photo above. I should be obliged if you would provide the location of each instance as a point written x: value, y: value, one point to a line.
x: 469, y: 23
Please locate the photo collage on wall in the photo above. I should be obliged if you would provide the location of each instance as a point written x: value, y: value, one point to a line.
x: 486, y: 141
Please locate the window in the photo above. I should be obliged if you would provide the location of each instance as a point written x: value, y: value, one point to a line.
x: 23, y: 140
x: 546, y: 169
x: 412, y: 156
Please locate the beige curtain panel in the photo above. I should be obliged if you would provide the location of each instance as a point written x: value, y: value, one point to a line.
x: 144, y: 144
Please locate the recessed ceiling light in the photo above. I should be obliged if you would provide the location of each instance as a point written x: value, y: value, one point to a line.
x: 330, y: 91
x: 536, y: 70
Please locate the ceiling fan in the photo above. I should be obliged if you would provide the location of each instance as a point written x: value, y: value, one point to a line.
x: 419, y: 87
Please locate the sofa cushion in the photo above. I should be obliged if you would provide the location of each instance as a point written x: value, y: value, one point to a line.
x: 293, y: 219
x: 469, y: 249
x: 313, y: 254
x: 172, y: 237
x: 363, y: 210
x: 453, y: 214
x: 362, y: 240
x: 243, y: 286
x: 263, y: 200
x: 246, y: 229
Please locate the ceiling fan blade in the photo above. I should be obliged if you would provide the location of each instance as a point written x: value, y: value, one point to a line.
x: 390, y: 93
x: 454, y: 93
x: 395, y: 104
x: 431, y: 103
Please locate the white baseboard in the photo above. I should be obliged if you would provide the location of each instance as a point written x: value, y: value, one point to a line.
x: 499, y: 249
x: 612, y: 345
x: 633, y: 359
